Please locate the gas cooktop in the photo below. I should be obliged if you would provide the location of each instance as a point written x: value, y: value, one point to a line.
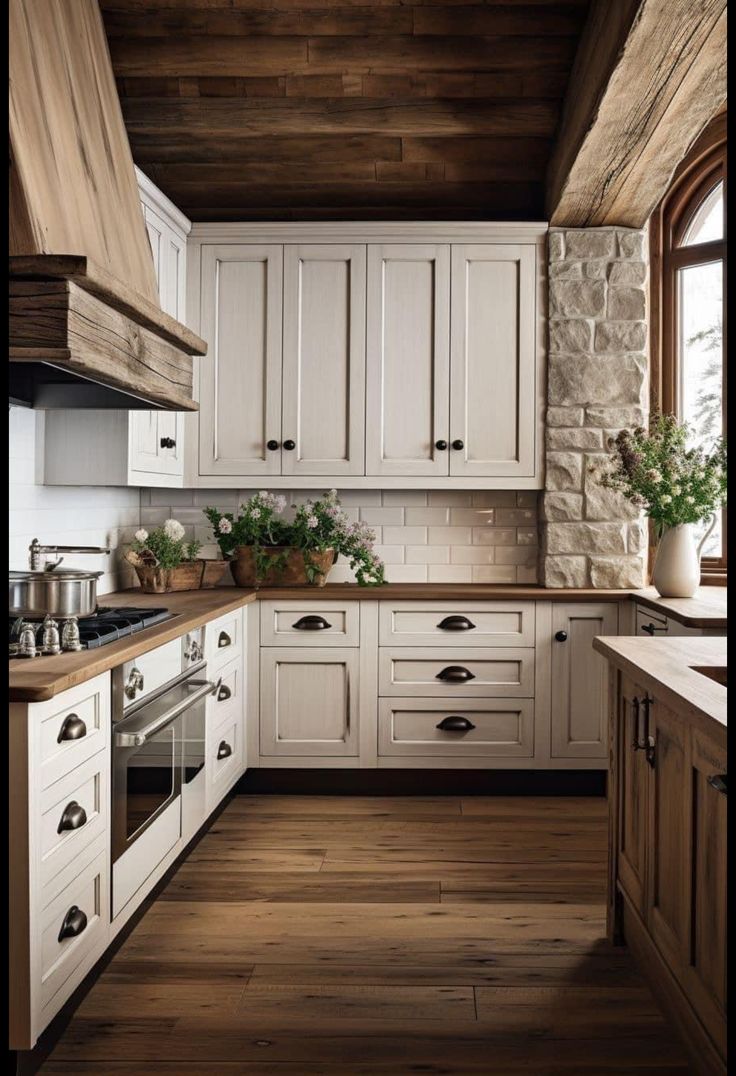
x: 107, y: 624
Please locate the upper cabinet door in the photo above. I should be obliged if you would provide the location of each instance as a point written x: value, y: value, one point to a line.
x: 240, y: 379
x: 493, y: 382
x: 324, y: 360
x: 407, y: 407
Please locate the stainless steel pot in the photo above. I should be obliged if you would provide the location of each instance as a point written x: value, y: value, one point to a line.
x: 57, y: 592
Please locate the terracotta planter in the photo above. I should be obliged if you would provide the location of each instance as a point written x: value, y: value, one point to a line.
x: 287, y: 569
x: 155, y: 580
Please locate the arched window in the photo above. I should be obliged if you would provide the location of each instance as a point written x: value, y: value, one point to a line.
x: 688, y: 246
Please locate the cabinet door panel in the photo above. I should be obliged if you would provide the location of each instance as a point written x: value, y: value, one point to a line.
x: 240, y: 380
x: 408, y: 359
x: 309, y: 701
x: 633, y: 777
x: 493, y: 377
x: 580, y: 679
x: 324, y: 359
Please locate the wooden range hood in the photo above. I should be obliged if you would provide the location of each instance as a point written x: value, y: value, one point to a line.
x: 86, y: 326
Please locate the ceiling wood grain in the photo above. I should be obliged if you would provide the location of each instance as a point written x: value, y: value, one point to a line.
x: 332, y: 109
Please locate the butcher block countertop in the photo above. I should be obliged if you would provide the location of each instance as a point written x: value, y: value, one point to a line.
x: 36, y: 679
x: 708, y: 607
x: 668, y: 668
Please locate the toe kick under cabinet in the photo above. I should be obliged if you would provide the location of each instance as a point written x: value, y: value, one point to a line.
x: 423, y: 684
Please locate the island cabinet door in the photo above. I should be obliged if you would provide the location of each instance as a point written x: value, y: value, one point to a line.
x: 580, y: 679
x: 493, y: 387
x: 670, y: 815
x: 309, y: 701
x: 240, y: 379
x: 706, y: 971
x: 633, y: 794
x: 408, y: 374
x: 323, y: 416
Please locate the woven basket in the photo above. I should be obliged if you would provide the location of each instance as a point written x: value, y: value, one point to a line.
x: 292, y: 573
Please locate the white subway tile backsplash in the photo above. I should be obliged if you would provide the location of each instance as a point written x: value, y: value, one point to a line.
x: 405, y: 498
x: 516, y: 516
x: 406, y: 573
x: 498, y: 498
x: 404, y: 535
x: 494, y: 574
x: 450, y: 498
x: 471, y: 517
x: 473, y: 554
x: 449, y: 573
x: 427, y: 554
x: 394, y: 515
x: 391, y: 554
x: 450, y: 536
x: 427, y: 516
x: 516, y: 554
x: 494, y: 536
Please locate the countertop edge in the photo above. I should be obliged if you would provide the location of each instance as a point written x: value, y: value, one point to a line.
x: 681, y: 618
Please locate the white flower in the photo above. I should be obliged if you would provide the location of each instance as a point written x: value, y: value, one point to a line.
x: 665, y: 498
x: 690, y: 499
x: 255, y: 513
x: 280, y: 503
x: 225, y: 526
x: 312, y: 522
x: 263, y: 495
x: 654, y: 476
x: 676, y: 490
x: 173, y: 529
x: 141, y: 535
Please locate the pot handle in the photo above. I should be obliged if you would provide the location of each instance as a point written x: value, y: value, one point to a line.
x: 707, y: 534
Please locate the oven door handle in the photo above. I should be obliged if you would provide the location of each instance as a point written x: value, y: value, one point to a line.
x: 137, y: 739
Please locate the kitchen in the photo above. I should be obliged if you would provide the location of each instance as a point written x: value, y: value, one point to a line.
x: 423, y: 297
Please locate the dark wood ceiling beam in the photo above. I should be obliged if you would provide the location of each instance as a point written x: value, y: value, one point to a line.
x: 648, y: 76
x: 308, y: 150
x: 145, y: 7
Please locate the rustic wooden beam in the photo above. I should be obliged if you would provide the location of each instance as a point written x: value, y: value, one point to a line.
x: 58, y: 322
x: 647, y: 78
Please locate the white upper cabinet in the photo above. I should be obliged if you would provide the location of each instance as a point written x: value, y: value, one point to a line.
x: 240, y: 381
x: 493, y: 369
x: 357, y: 353
x: 407, y: 397
x: 323, y: 414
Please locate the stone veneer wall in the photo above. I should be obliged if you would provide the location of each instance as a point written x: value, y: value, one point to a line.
x: 597, y: 384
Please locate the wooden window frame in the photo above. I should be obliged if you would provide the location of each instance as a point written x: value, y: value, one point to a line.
x: 702, y: 168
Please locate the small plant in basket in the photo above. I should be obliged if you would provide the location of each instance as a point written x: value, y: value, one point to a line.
x: 164, y: 560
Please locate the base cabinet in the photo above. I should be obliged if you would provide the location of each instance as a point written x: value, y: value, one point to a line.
x: 579, y: 679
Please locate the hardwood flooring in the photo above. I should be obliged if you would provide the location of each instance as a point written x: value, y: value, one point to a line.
x: 363, y: 935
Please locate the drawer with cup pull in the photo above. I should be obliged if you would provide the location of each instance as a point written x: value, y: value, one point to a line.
x: 72, y: 813
x: 224, y: 758
x: 229, y: 694
x: 294, y: 623
x: 649, y: 623
x: 71, y: 727
x: 223, y: 639
x: 430, y: 671
x: 427, y: 623
x: 74, y: 931
x: 472, y: 728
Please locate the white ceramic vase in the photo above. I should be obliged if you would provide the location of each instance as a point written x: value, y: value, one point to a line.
x: 676, y: 571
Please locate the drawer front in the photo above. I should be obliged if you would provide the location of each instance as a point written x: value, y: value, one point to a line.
x: 310, y: 623
x: 230, y: 697
x: 649, y: 623
x: 77, y: 727
x: 72, y: 814
x: 505, y: 624
x: 495, y: 728
x: 84, y: 906
x: 223, y: 640
x: 415, y: 671
x: 224, y: 759
x: 156, y: 667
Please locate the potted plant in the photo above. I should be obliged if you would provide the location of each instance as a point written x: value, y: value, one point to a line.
x: 677, y: 487
x: 266, y: 550
x: 164, y: 561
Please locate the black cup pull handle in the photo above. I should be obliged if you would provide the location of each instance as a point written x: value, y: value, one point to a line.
x: 223, y: 639
x: 719, y: 781
x: 75, y: 922
x: 224, y: 693
x: 311, y: 623
x: 455, y: 674
x: 456, y: 623
x: 72, y: 728
x: 72, y: 817
x: 224, y: 750
x: 454, y: 723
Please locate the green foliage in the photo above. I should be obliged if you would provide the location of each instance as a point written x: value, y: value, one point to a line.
x: 165, y: 546
x: 317, y: 526
x: 657, y: 472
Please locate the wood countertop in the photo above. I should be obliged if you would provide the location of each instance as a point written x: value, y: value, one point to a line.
x: 667, y: 668
x: 42, y: 678
x: 708, y: 607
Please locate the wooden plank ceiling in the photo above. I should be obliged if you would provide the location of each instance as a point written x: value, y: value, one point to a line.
x: 344, y: 109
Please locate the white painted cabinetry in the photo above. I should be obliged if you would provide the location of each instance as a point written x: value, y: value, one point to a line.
x: 130, y: 448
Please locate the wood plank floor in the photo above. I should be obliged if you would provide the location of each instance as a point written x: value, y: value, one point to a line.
x: 342, y: 936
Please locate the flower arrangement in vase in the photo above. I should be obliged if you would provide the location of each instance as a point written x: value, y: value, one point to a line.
x: 264, y: 549
x: 677, y: 486
x: 165, y: 561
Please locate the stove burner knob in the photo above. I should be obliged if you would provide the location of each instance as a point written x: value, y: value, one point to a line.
x: 134, y: 682
x: 193, y: 651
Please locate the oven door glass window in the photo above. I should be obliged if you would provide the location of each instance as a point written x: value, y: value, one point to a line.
x: 150, y: 779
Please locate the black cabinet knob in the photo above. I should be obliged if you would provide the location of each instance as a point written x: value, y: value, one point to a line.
x: 441, y: 445
x: 168, y: 442
x: 456, y: 623
x: 224, y: 693
x: 224, y: 750
x: 289, y: 445
x: 272, y: 445
x: 72, y: 817
x: 311, y: 623
x: 457, y: 445
x: 561, y: 636
x: 72, y: 728
x: 455, y: 723
x: 455, y: 674
x: 75, y: 921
